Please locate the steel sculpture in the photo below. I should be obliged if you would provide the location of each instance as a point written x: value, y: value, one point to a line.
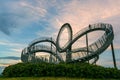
x: 90, y: 52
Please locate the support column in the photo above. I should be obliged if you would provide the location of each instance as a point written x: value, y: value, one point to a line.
x: 113, y: 54
x: 51, y: 44
x: 50, y: 58
x: 87, y: 45
x: 68, y: 55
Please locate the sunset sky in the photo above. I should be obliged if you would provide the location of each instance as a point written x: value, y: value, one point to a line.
x: 22, y: 21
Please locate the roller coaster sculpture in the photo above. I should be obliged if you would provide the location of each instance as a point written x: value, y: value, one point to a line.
x: 90, y: 52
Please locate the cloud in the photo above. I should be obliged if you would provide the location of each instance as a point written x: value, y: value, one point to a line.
x: 4, y: 62
x: 18, y: 15
x: 52, y: 15
x: 106, y: 59
x: 82, y: 13
x: 11, y: 44
x: 19, y: 50
x: 4, y: 65
x: 11, y: 49
x: 6, y: 22
x: 11, y: 57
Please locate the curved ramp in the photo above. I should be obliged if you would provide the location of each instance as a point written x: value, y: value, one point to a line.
x: 94, y: 49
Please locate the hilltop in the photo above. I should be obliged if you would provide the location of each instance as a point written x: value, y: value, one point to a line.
x: 79, y: 70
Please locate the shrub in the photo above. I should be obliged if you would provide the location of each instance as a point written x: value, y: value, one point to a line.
x: 82, y: 70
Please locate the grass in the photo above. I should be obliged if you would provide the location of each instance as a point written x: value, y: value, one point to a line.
x: 48, y: 78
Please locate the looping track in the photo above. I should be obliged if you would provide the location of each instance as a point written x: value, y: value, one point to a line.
x: 94, y: 49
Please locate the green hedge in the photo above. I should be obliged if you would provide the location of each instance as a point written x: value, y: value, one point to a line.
x: 82, y: 70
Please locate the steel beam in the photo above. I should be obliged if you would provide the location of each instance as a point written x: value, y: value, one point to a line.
x: 87, y: 45
x: 113, y: 54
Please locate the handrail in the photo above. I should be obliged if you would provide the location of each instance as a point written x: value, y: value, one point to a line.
x: 94, y: 49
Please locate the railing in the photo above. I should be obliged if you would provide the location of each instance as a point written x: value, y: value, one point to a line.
x: 94, y: 49
x: 99, y: 44
x: 40, y: 39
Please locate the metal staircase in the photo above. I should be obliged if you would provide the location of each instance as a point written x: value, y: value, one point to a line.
x: 80, y: 54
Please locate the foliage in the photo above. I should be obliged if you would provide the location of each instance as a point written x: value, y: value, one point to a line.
x: 80, y: 70
x: 47, y: 78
